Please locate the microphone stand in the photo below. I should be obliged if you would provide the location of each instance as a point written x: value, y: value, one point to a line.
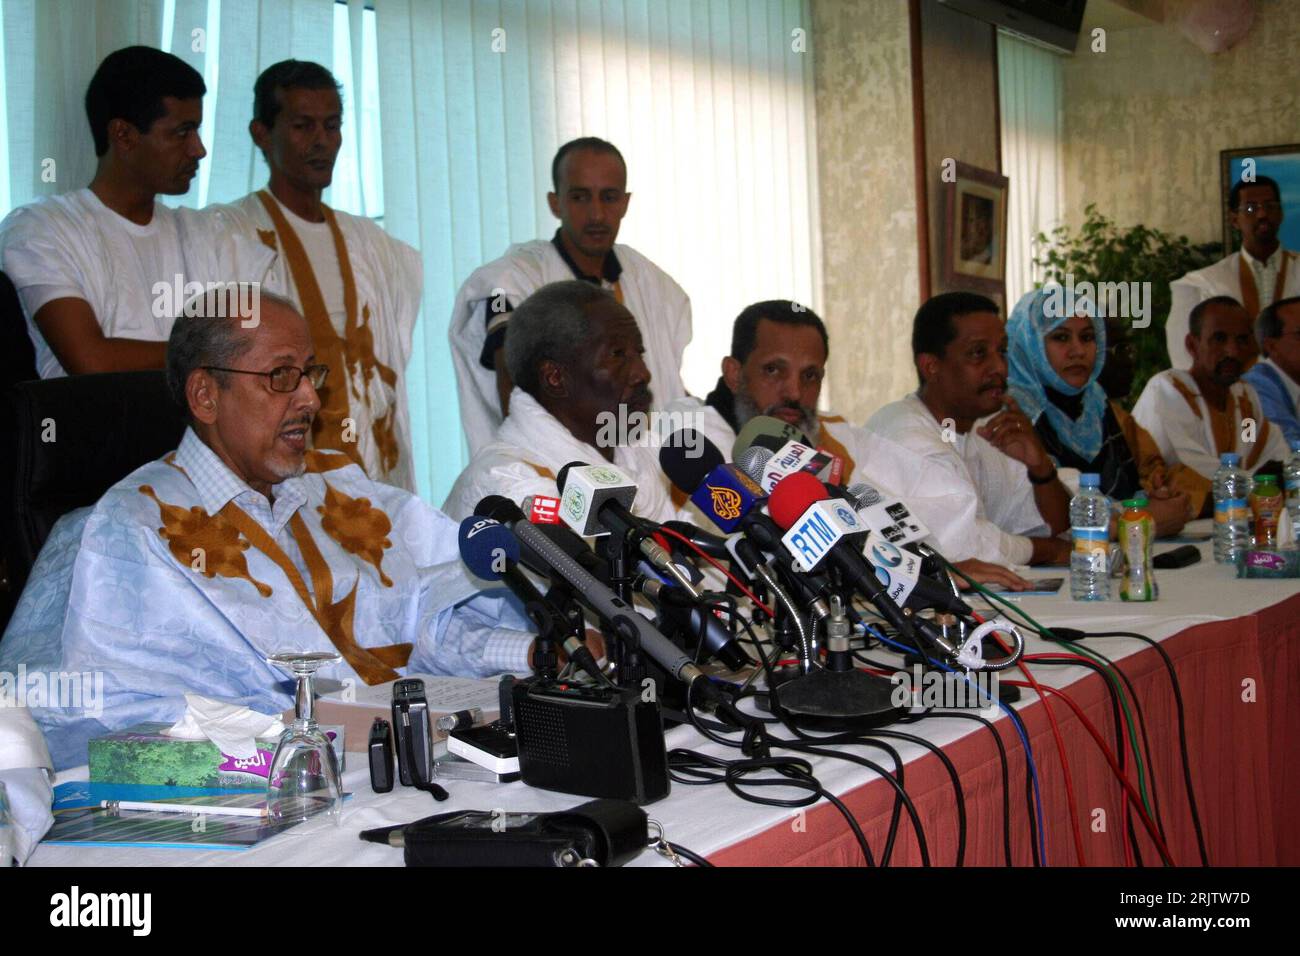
x: 621, y: 550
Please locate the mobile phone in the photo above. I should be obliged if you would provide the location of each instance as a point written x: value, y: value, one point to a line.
x: 414, y: 742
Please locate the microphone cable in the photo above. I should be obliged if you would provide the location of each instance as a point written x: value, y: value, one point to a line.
x: 1033, y: 794
x: 1176, y: 686
x: 1120, y: 751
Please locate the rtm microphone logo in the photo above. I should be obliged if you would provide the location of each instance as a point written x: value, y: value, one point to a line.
x: 76, y: 909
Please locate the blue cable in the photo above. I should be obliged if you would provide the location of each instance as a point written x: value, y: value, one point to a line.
x: 1015, y: 722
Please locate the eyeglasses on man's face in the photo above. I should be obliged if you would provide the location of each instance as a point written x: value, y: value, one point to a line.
x: 284, y: 378
x: 1252, y: 208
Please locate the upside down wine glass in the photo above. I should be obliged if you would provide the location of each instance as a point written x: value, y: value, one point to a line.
x: 304, y: 777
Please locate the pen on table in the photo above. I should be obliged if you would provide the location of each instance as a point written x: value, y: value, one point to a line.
x: 115, y: 806
x: 461, y: 719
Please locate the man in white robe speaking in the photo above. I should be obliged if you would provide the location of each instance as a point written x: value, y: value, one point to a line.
x: 581, y: 393
x: 358, y: 287
x: 244, y: 543
x: 590, y: 200
x: 1258, y: 274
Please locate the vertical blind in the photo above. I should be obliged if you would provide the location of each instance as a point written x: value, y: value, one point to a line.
x: 453, y: 112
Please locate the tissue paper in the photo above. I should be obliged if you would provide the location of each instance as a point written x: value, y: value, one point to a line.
x: 232, y: 728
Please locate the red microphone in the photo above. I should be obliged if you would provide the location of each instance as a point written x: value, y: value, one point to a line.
x: 793, y: 495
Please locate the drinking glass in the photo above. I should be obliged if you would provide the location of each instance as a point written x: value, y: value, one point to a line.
x: 304, y: 777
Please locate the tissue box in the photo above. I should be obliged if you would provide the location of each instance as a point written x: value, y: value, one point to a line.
x: 144, y: 754
x: 1270, y: 564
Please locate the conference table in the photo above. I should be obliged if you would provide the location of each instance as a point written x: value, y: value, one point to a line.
x: 1235, y: 644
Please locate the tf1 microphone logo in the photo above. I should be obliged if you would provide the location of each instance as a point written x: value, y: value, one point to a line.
x: 726, y: 502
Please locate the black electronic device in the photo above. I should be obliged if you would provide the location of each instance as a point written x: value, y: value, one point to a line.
x: 599, y: 832
x: 1181, y: 557
x: 414, y: 743
x: 595, y: 741
x: 381, y: 756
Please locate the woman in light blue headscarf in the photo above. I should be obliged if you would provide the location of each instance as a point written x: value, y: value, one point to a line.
x: 1053, y: 361
x: 1054, y: 358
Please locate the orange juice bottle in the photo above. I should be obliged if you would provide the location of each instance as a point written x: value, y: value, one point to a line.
x: 1266, y: 504
x: 1137, y: 529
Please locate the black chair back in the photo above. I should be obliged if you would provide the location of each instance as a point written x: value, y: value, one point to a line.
x: 66, y: 442
x: 17, y: 355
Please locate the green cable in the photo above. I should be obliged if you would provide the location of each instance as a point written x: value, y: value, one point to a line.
x: 1106, y: 666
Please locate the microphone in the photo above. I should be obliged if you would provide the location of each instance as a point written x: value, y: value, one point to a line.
x: 491, y: 551
x: 723, y: 492
x: 618, y: 614
x: 803, y: 507
x: 683, y: 614
x: 766, y: 432
x: 791, y: 449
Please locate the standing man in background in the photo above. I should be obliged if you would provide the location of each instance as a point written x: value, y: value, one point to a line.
x: 1256, y: 275
x: 590, y: 200
x: 358, y: 287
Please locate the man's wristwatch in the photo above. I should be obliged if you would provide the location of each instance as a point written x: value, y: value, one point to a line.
x: 1045, y: 480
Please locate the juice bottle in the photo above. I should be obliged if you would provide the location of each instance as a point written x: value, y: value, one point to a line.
x: 1266, y: 504
x: 1137, y: 529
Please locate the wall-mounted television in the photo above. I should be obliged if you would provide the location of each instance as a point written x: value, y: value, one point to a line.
x: 1050, y: 23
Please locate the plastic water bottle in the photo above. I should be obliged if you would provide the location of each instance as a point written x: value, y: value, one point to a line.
x: 1291, y: 484
x: 1090, y: 533
x: 1231, y: 509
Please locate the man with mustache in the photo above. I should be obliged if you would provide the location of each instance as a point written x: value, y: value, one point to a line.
x: 779, y: 351
x: 590, y: 200
x: 358, y: 287
x: 1195, y: 416
x: 992, y: 490
x: 1257, y: 275
x: 243, y: 543
x: 576, y: 358
x: 86, y: 263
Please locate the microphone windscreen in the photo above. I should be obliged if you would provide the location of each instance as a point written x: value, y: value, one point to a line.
x: 687, y: 462
x: 498, y: 508
x: 753, y: 461
x: 763, y: 430
x: 563, y: 476
x: 793, y: 495
x: 487, y: 547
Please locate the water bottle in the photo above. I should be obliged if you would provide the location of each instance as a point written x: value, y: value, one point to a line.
x: 1231, y: 509
x: 1090, y: 533
x: 1291, y: 484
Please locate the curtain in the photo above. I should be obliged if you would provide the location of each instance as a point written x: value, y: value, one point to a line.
x: 1029, y: 87
x: 710, y: 102
x: 50, y: 52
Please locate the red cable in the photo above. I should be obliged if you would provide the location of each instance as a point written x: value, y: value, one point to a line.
x: 1110, y: 758
x: 1060, y: 746
x: 1125, y: 815
x: 709, y: 558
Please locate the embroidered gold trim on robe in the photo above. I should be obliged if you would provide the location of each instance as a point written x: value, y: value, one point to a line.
x: 193, y: 536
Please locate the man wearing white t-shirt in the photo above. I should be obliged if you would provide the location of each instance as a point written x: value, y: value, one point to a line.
x: 86, y: 263
x: 358, y: 287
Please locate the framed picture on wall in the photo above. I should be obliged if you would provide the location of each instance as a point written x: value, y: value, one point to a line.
x: 975, y: 231
x: 1279, y: 163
